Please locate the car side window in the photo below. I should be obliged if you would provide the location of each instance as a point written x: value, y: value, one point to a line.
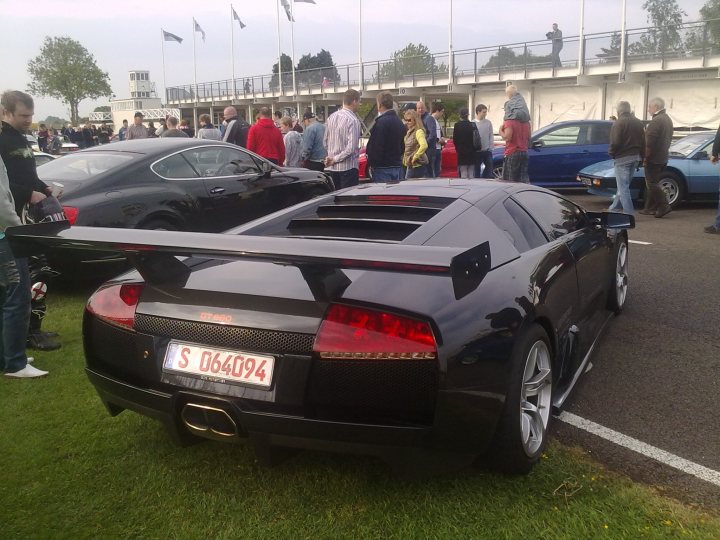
x: 175, y: 166
x: 563, y: 136
x: 214, y: 161
x: 599, y: 134
x: 557, y: 216
x: 532, y: 234
x: 499, y: 215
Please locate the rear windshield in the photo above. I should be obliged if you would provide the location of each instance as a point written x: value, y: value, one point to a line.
x: 82, y: 166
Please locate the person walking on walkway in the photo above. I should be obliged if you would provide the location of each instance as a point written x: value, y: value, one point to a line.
x: 658, y: 136
x: 627, y: 148
x: 556, y: 37
x: 714, y: 157
x: 387, y: 142
x: 265, y: 139
x: 342, y: 142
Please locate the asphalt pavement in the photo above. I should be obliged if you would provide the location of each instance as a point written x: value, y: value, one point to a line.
x: 656, y: 372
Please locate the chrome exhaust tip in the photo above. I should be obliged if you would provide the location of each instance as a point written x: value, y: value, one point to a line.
x: 209, y: 422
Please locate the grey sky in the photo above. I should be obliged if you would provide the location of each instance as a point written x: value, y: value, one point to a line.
x: 125, y: 35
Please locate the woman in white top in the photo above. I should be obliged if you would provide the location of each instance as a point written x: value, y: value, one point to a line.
x: 208, y: 131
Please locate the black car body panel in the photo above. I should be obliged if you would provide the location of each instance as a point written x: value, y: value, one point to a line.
x: 266, y: 287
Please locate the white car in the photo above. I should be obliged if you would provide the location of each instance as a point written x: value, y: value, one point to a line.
x: 41, y: 158
x: 65, y: 146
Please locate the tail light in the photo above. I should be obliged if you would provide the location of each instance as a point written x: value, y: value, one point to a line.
x: 362, y: 334
x: 116, y: 303
x: 71, y: 213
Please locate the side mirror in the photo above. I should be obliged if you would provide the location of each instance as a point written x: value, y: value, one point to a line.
x: 266, y: 169
x: 537, y: 144
x: 612, y: 220
x: 701, y: 155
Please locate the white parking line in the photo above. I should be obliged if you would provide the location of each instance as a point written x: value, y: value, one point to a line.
x: 641, y: 243
x: 676, y: 462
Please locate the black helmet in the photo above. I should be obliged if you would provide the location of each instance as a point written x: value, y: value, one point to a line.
x: 46, y: 211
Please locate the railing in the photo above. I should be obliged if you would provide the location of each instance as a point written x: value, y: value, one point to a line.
x: 695, y: 39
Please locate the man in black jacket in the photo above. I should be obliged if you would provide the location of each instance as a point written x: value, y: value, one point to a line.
x: 658, y: 136
x: 26, y: 187
x: 627, y: 148
x: 386, y: 145
x: 714, y: 157
x: 236, y: 128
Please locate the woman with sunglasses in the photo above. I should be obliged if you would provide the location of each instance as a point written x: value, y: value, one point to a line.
x: 414, y: 159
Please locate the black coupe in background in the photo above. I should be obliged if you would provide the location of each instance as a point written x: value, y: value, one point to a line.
x: 176, y: 184
x: 427, y: 322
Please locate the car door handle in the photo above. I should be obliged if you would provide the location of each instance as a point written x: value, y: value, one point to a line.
x: 217, y: 190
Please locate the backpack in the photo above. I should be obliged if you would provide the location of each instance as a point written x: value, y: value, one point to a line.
x: 477, y: 141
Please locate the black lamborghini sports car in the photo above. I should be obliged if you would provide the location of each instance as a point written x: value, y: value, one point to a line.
x: 430, y: 321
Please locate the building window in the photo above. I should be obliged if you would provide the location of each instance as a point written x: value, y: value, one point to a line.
x: 132, y: 76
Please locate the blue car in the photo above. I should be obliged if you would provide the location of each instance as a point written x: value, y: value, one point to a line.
x: 688, y: 175
x: 557, y: 152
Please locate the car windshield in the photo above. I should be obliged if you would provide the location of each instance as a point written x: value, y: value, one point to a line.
x: 82, y: 166
x: 687, y: 145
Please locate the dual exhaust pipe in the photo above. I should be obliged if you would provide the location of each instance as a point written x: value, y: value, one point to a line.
x: 209, y: 422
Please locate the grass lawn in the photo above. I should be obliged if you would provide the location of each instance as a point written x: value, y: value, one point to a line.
x: 69, y: 470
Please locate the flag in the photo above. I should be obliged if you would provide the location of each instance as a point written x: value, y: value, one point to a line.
x: 237, y: 18
x: 198, y: 29
x: 286, y: 5
x: 167, y: 36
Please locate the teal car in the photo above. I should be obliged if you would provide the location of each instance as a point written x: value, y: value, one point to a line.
x: 689, y: 175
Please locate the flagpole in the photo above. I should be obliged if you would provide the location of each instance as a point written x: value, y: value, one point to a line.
x: 292, y: 52
x: 451, y: 60
x: 162, y: 45
x: 194, y: 62
x: 280, y: 87
x: 623, y: 40
x: 360, y: 66
x: 581, y: 48
x: 232, y: 49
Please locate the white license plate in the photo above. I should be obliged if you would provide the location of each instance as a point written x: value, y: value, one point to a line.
x: 586, y: 181
x: 219, y: 365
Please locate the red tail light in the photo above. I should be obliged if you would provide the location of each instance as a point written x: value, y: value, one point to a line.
x: 363, y: 334
x: 71, y: 213
x: 116, y: 303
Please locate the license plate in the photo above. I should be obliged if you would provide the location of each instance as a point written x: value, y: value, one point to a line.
x: 220, y: 365
x: 586, y: 181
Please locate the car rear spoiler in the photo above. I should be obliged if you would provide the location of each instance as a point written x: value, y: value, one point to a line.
x: 154, y: 253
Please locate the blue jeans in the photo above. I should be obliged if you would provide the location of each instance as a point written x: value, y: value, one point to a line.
x: 434, y: 166
x: 484, y: 158
x: 15, y: 283
x: 387, y: 174
x: 717, y: 218
x: 416, y: 172
x: 622, y: 199
x: 343, y: 179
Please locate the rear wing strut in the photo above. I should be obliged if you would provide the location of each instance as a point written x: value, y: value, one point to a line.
x: 154, y: 253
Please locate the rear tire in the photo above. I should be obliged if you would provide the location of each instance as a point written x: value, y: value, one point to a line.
x: 673, y: 186
x: 617, y: 293
x: 523, y: 426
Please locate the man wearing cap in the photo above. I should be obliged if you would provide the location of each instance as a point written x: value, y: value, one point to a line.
x: 137, y: 130
x: 313, y: 152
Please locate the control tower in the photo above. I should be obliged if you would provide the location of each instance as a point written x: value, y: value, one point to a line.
x: 140, y: 85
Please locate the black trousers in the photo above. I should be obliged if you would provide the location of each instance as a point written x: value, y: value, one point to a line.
x: 655, y: 198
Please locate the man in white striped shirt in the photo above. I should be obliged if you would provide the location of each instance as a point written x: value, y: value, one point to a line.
x: 342, y: 142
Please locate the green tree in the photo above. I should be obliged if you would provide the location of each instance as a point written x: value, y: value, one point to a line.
x: 286, y: 72
x: 711, y: 12
x: 65, y: 69
x: 102, y: 108
x: 613, y: 51
x: 665, y: 17
x: 507, y: 57
x: 312, y: 68
x: 54, y: 121
x: 411, y: 60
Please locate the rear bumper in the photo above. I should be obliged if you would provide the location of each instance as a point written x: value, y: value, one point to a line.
x: 460, y: 428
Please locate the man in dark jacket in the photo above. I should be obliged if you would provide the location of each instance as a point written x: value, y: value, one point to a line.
x: 431, y: 126
x: 658, y: 136
x: 386, y: 145
x: 714, y: 157
x: 627, y: 148
x: 463, y: 139
x: 236, y: 128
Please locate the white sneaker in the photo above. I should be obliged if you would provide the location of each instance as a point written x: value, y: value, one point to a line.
x: 28, y: 372
x: 30, y: 359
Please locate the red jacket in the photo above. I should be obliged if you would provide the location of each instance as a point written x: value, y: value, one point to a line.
x: 266, y: 140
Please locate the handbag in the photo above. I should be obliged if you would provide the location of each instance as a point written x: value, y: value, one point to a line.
x: 477, y: 141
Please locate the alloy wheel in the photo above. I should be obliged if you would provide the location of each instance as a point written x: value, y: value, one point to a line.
x: 621, y: 275
x: 535, y: 398
x: 671, y: 190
